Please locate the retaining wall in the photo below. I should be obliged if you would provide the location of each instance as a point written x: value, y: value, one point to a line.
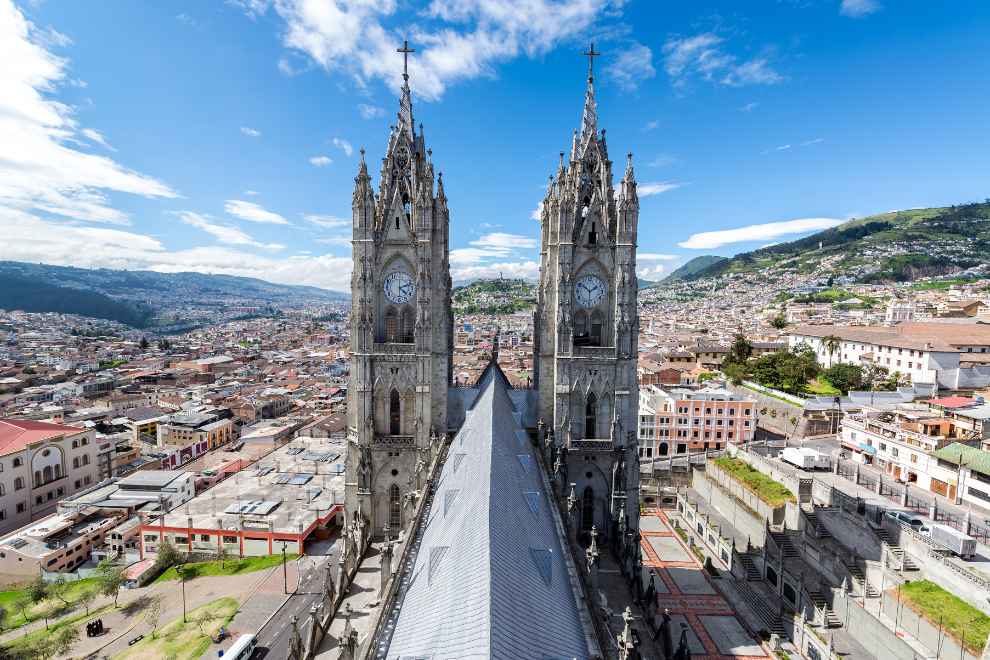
x: 745, y: 520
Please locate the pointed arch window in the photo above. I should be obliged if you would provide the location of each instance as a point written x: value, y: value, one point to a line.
x: 407, y: 325
x: 391, y: 325
x: 592, y: 235
x: 597, y: 323
x: 591, y: 416
x: 664, y: 448
x: 394, y: 508
x: 581, y: 324
x: 587, y: 509
x: 394, y: 413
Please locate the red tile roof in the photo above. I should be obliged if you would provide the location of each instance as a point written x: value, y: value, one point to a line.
x: 16, y: 434
x: 952, y: 402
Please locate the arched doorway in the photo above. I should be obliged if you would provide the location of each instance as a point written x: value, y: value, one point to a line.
x: 664, y: 448
x: 394, y: 508
x: 394, y: 413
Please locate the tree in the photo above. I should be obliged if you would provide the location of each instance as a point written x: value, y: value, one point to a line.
x: 153, y: 613
x: 222, y: 553
x: 844, y: 377
x: 168, y: 556
x: 203, y: 620
x: 3, y: 617
x: 706, y: 376
x: 60, y: 589
x: 832, y: 344
x: 23, y: 604
x: 736, y: 373
x: 779, y: 322
x: 740, y: 351
x: 144, y: 343
x: 37, y: 589
x: 111, y: 578
x: 86, y: 597
x: 60, y: 643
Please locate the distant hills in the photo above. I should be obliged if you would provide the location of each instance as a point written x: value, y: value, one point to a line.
x: 889, y: 247
x: 146, y: 298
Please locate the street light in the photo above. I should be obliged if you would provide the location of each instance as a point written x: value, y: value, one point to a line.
x: 285, y: 573
x: 182, y: 581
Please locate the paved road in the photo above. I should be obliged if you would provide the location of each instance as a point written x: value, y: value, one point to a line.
x: 273, y: 639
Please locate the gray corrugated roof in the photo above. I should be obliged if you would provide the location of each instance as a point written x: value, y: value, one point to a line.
x: 490, y: 579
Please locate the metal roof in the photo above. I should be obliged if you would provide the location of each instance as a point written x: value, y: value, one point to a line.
x: 490, y: 579
x: 975, y: 459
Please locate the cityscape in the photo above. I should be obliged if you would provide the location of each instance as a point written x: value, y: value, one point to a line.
x: 428, y: 430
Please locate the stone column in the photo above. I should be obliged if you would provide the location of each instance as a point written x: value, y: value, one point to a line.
x: 904, y: 495
x: 386, y: 568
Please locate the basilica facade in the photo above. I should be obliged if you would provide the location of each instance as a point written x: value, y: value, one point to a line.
x: 582, y: 409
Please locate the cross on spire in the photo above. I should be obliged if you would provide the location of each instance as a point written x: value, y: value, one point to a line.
x: 405, y: 50
x: 591, y: 54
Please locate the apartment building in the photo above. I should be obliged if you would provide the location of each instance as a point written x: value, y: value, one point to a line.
x: 677, y: 421
x: 56, y: 543
x: 963, y: 474
x: 948, y: 354
x: 40, y: 463
x: 902, y: 442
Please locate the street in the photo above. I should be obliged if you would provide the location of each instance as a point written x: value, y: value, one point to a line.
x: 273, y: 638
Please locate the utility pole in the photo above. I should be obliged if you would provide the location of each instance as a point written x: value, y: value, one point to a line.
x: 285, y: 571
x: 182, y: 580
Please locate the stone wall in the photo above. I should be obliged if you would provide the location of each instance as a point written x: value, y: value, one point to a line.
x: 745, y: 520
x: 775, y: 515
x: 939, y: 642
x: 877, y: 638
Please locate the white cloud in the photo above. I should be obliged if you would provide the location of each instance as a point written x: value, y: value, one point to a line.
x: 97, y: 137
x: 704, y: 56
x: 29, y: 238
x: 495, y: 245
x: 808, y: 143
x: 632, y: 66
x: 251, y: 193
x: 224, y: 233
x: 783, y: 147
x: 320, y: 161
x: 651, y: 273
x: 457, y: 40
x: 762, y: 232
x: 344, y: 146
x: 39, y: 169
x: 503, y: 241
x: 250, y: 132
x: 651, y: 125
x: 252, y: 212
x: 537, y: 213
x: 858, y: 8
x: 749, y: 107
x: 656, y: 188
x: 369, y: 111
x: 662, y: 160
x: 528, y: 270
x: 652, y: 256
x: 340, y: 241
x: 327, y: 221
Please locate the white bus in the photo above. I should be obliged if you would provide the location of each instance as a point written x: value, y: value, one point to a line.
x: 242, y: 649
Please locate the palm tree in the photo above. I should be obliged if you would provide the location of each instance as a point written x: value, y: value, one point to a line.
x: 832, y: 345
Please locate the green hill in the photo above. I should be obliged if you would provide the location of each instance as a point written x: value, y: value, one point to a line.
x: 688, y: 270
x: 34, y: 296
x: 889, y: 247
x: 499, y: 296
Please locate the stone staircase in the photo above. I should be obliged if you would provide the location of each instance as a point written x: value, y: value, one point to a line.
x: 752, y: 572
x: 819, y: 530
x: 831, y: 621
x: 907, y: 564
x: 761, y: 608
x: 860, y: 577
x: 783, y: 541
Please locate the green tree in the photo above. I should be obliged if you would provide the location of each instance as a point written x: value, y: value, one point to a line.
x: 736, y: 373
x: 168, y: 556
x: 779, y: 322
x: 844, y: 377
x: 832, y: 343
x: 110, y: 579
x: 86, y: 597
x: 37, y: 589
x: 60, y: 590
x: 59, y: 644
x: 153, y: 614
x: 144, y: 343
x: 740, y: 351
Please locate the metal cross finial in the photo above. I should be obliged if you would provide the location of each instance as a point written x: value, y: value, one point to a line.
x: 591, y: 54
x: 405, y: 50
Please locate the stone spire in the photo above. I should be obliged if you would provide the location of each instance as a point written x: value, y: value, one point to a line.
x: 589, y: 117
x: 405, y: 100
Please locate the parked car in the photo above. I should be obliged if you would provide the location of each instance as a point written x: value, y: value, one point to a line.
x: 905, y: 518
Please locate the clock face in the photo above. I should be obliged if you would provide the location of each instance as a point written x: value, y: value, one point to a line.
x: 399, y: 287
x: 588, y: 291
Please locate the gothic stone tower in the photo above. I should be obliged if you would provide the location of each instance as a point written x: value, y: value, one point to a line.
x: 401, y: 326
x: 586, y: 326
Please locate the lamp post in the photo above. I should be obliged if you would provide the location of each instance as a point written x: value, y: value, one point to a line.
x: 182, y: 580
x: 285, y: 571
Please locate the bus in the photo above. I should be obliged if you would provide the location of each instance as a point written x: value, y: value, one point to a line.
x: 242, y: 649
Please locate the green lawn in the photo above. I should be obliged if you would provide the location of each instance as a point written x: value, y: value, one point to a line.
x: 961, y: 620
x: 14, y: 618
x: 185, y: 641
x: 822, y: 386
x: 229, y: 567
x: 772, y: 492
x: 21, y: 644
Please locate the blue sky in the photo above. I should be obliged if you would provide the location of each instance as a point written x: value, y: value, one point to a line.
x: 224, y: 137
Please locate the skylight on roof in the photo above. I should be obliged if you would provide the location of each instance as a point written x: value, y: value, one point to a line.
x: 436, y: 555
x: 543, y: 560
x: 525, y: 460
x: 449, y: 497
x: 458, y: 459
x: 533, y: 500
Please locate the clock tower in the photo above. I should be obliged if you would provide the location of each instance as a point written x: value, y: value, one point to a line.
x: 586, y: 328
x: 401, y: 325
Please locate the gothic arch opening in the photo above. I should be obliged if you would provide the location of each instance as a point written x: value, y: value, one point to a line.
x: 587, y: 509
x: 407, y: 325
x: 391, y: 325
x: 394, y: 413
x: 591, y: 416
x: 580, y: 324
x: 394, y: 508
x: 595, y: 334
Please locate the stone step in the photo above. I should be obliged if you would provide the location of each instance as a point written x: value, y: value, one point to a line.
x: 752, y: 572
x: 761, y: 609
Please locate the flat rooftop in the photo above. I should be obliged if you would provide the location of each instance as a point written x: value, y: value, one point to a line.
x: 57, y: 531
x: 287, y: 490
x: 150, y: 478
